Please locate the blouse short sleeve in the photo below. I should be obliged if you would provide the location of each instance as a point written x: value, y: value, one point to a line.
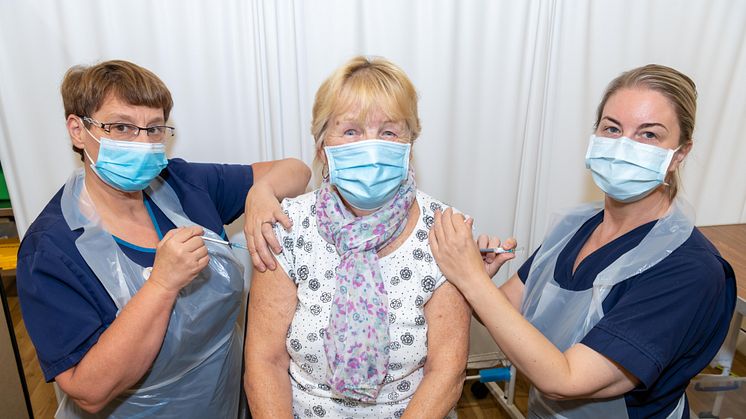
x: 299, y: 210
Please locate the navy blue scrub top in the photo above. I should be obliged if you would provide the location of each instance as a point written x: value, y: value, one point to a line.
x: 64, y: 306
x: 664, y: 325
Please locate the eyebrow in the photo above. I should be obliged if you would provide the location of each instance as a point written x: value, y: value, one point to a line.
x: 385, y: 123
x: 611, y: 119
x: 642, y: 126
x: 653, y: 124
x: 120, y: 117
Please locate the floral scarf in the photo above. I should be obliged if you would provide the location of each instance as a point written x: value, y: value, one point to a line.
x: 357, y: 338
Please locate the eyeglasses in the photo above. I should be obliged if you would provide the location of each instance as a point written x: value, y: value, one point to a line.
x: 123, y: 131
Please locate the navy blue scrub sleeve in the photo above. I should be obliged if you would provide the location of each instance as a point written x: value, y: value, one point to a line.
x: 62, y: 313
x: 225, y: 185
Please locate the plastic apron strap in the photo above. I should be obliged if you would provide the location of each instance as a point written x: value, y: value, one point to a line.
x: 80, y: 212
x: 197, y: 371
x: 546, y: 258
x: 565, y: 316
x: 667, y: 235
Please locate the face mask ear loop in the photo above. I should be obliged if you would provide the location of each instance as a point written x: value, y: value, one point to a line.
x: 93, y: 163
x: 94, y: 138
x: 675, y: 150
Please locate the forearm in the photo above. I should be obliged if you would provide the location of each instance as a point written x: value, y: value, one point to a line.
x: 286, y: 177
x: 268, y: 389
x: 448, y: 318
x: 579, y: 372
x: 529, y: 350
x: 124, y: 352
x: 437, y: 394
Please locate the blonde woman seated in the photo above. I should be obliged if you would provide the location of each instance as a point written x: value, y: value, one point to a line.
x: 359, y: 322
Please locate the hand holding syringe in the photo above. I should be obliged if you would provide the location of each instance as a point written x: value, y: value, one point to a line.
x: 234, y: 245
x: 499, y: 250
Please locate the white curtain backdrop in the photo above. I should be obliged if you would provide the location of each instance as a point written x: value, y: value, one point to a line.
x: 508, y: 89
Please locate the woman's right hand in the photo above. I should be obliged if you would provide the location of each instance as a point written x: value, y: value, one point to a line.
x: 491, y: 261
x: 179, y: 257
x: 456, y: 252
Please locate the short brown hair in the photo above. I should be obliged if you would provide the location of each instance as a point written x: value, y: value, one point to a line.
x: 84, y: 88
x: 372, y: 82
x: 677, y: 87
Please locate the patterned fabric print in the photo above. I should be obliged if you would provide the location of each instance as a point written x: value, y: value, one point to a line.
x: 356, y: 341
x: 408, y: 274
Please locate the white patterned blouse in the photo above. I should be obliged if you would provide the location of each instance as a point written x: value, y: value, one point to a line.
x: 410, y: 275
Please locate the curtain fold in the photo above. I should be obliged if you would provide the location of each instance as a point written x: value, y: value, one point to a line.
x: 507, y: 89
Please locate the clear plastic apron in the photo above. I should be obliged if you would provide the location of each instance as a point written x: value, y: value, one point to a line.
x: 197, y: 373
x: 566, y: 316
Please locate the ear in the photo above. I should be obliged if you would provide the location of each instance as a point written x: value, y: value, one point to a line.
x: 321, y: 154
x: 679, y: 156
x: 76, y: 130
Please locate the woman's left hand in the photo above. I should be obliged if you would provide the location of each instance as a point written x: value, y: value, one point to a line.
x: 262, y: 211
x: 455, y: 251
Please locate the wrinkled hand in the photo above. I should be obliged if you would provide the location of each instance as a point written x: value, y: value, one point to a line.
x: 179, y: 257
x: 262, y: 211
x: 456, y: 252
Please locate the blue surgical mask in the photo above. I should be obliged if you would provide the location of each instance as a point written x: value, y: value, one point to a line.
x: 625, y: 169
x: 128, y: 166
x: 368, y: 173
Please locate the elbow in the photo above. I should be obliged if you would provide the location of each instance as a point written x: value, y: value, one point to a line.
x: 555, y: 396
x: 91, y: 400
x: 456, y: 387
x: 91, y: 405
x: 303, y: 169
x: 259, y: 368
x: 306, y: 173
x: 249, y: 385
x: 451, y: 381
x: 458, y: 383
x: 558, y: 392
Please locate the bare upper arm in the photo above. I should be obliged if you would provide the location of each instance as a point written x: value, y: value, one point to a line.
x: 592, y: 375
x: 513, y: 290
x: 448, y: 317
x: 272, y: 301
x: 260, y: 169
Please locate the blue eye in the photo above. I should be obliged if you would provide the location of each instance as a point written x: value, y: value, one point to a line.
x: 649, y: 135
x: 389, y: 134
x: 612, y: 130
x: 350, y: 133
